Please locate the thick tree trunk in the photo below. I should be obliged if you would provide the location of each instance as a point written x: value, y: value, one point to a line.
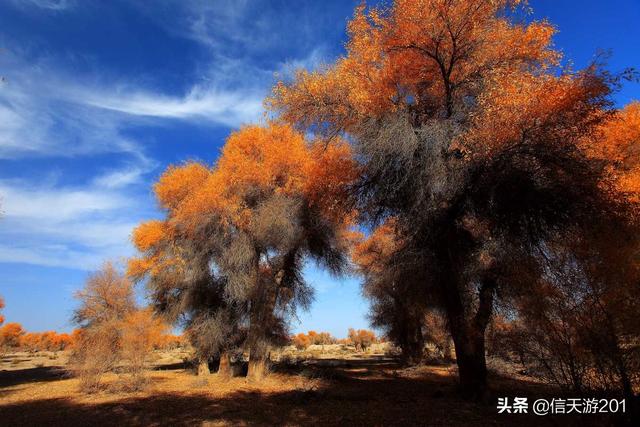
x: 203, y: 367
x: 413, y: 342
x: 262, y: 317
x: 258, y: 354
x: 472, y: 366
x: 258, y: 367
x: 261, y: 320
x: 224, y: 369
x: 468, y: 333
x: 258, y: 350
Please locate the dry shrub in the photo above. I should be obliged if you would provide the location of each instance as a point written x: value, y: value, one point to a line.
x: 95, y: 354
x: 436, y: 333
x: 140, y: 333
x: 114, y: 333
x: 119, y: 345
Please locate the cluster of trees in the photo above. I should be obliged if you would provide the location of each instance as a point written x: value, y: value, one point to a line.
x: 14, y: 337
x: 496, y: 176
x: 46, y: 341
x: 170, y: 341
x: 361, y: 339
x: 496, y: 182
x: 302, y: 340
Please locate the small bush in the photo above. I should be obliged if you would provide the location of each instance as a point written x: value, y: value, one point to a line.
x: 95, y: 354
x: 114, y: 332
x: 301, y: 341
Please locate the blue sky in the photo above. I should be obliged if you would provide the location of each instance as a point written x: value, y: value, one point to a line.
x: 99, y: 97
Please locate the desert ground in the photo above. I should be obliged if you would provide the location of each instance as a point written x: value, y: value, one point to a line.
x: 330, y: 385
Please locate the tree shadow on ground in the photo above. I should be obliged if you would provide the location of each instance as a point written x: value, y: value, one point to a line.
x: 351, y: 398
x: 32, y: 375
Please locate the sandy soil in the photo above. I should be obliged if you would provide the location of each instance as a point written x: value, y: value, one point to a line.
x: 354, y: 389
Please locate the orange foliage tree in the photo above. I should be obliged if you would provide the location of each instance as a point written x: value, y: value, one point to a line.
x: 1, y: 307
x: 301, y: 341
x: 49, y: 341
x: 141, y: 333
x: 272, y: 200
x: 10, y: 335
x: 619, y: 146
x: 472, y: 140
x: 113, y: 330
x: 362, y: 338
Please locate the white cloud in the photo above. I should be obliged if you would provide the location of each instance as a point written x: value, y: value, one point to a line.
x: 120, y: 178
x: 55, y: 205
x: 311, y: 62
x: 226, y: 107
x: 70, y: 227
x: 55, y: 256
x: 47, y: 110
x: 36, y: 119
x: 46, y: 4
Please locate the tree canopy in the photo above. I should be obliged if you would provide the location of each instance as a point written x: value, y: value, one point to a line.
x: 478, y: 144
x: 242, y: 229
x: 488, y: 173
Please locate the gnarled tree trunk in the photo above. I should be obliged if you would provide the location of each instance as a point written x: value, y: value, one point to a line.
x: 203, y: 367
x: 467, y: 328
x: 472, y: 367
x: 261, y: 319
x: 412, y: 344
x: 224, y: 369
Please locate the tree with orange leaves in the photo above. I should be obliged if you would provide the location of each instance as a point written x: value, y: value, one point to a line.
x: 50, y: 341
x: 113, y: 329
x: 141, y: 332
x: 10, y: 335
x: 1, y: 307
x: 361, y: 338
x: 620, y: 146
x: 301, y: 341
x: 271, y: 201
x: 107, y: 296
x: 473, y: 142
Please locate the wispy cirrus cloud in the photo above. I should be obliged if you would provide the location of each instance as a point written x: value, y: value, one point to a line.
x: 43, y: 108
x: 49, y: 110
x: 241, y: 33
x: 46, y: 4
x: 65, y: 226
x: 202, y: 104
